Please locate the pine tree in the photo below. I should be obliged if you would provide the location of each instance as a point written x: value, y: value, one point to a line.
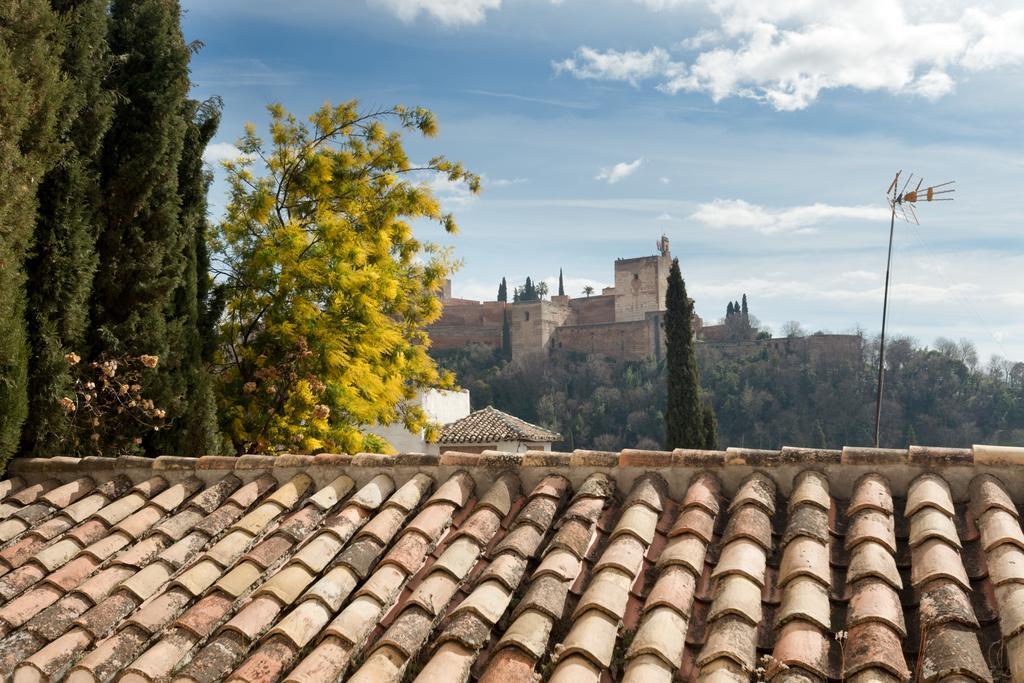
x: 142, y: 240
x: 503, y: 291
x: 684, y: 425
x: 744, y: 310
x: 561, y: 285
x: 710, y: 427
x: 729, y: 311
x: 31, y: 97
x: 60, y: 270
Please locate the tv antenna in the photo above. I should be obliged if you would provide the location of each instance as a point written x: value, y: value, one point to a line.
x: 900, y: 198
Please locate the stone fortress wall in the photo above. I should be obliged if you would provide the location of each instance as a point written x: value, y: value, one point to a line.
x: 623, y: 322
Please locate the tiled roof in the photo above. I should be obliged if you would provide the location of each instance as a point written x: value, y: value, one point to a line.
x: 490, y: 425
x: 795, y: 565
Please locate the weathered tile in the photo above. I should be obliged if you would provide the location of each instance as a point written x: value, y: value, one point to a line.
x: 751, y: 523
x: 593, y: 636
x: 998, y: 526
x: 1010, y: 597
x: 530, y: 632
x: 702, y: 492
x: 451, y: 662
x: 810, y: 488
x: 872, y: 559
x: 953, y: 650
x: 334, y: 587
x: 648, y: 668
x: 561, y: 563
x: 686, y: 551
x: 287, y: 584
x: 870, y: 492
x: 241, y: 577
x: 662, y: 633
x: 745, y: 558
x: 873, y: 645
x: 929, y: 490
x: 874, y: 600
x: 759, y: 490
x: 871, y: 525
x: 736, y: 595
x: 930, y: 522
x: 1005, y: 564
x: 934, y: 559
x: 649, y: 490
x: 624, y: 553
x: 332, y: 494
x: 807, y: 599
x: 545, y: 594
x: 384, y: 584
x: 943, y: 602
x: 608, y: 593
x: 674, y: 588
x: 694, y: 520
x: 507, y: 568
x: 987, y: 492
x: 807, y: 520
x: 732, y: 638
x: 356, y: 620
x: 435, y: 592
x: 455, y: 490
x: 384, y: 525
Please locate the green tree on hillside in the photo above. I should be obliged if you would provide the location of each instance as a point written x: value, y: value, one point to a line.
x: 503, y: 291
x: 60, y: 270
x: 684, y: 424
x: 31, y: 98
x: 561, y: 286
x: 328, y: 289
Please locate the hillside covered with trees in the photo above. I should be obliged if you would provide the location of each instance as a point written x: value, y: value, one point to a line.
x: 938, y: 395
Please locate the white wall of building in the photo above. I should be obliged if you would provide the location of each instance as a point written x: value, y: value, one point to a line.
x: 440, y: 405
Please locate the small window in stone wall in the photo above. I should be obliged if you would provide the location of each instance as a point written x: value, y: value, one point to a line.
x: 527, y: 314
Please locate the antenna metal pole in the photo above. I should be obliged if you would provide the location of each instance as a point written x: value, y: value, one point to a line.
x: 905, y: 200
x: 885, y: 309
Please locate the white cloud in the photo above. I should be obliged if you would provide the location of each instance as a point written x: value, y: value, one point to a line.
x: 216, y: 152
x: 631, y: 66
x: 665, y: 217
x: 448, y: 12
x: 451, y: 193
x: 502, y: 182
x: 664, y: 181
x: 736, y: 213
x: 619, y: 171
x: 787, y: 53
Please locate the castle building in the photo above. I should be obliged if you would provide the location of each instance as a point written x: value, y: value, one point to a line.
x: 624, y: 321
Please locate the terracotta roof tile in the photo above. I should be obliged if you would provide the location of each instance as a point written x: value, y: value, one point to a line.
x: 490, y: 425
x: 334, y: 583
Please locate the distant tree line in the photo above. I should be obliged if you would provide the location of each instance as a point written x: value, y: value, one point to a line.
x: 938, y: 395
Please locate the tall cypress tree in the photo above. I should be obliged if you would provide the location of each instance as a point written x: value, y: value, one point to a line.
x: 61, y: 267
x: 743, y: 308
x: 506, y: 335
x: 142, y: 240
x: 197, y: 303
x: 684, y: 422
x: 31, y: 95
x: 710, y: 426
x: 503, y: 291
x: 561, y: 286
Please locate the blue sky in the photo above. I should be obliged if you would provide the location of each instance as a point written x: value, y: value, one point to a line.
x: 758, y: 136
